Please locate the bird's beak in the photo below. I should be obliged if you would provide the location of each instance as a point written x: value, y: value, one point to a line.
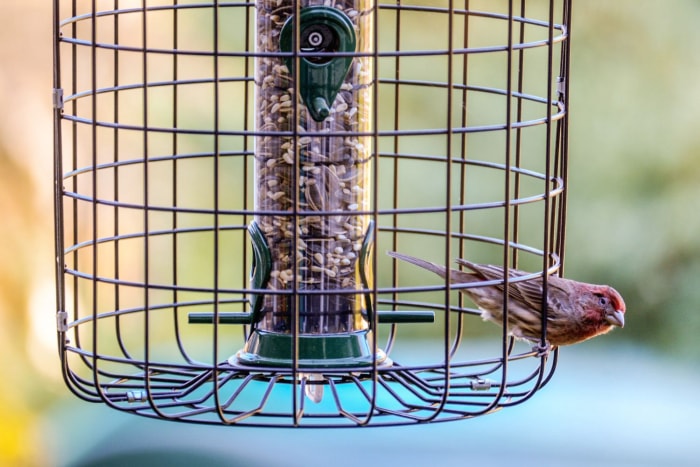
x: 616, y: 318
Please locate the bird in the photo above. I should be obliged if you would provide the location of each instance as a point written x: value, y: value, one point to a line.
x: 576, y: 311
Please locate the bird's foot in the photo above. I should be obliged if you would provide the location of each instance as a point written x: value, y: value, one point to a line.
x: 542, y: 350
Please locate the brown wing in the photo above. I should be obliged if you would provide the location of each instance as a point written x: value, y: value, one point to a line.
x: 528, y: 292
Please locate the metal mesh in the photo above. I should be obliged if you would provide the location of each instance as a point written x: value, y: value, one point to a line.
x: 163, y: 141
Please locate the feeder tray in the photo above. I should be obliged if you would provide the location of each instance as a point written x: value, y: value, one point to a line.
x: 229, y: 176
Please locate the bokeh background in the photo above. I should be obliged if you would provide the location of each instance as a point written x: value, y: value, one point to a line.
x: 627, y: 399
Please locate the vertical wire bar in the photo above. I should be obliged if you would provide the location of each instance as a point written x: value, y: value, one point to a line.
x: 174, y: 193
x: 546, y: 260
x: 374, y: 325
x: 74, y: 179
x: 396, y: 140
x: 507, y: 201
x: 518, y: 135
x: 148, y: 373
x: 489, y: 406
x: 296, y: 300
x: 561, y: 157
x: 216, y: 204
x: 246, y: 150
x: 116, y: 181
x: 463, y: 168
x: 556, y: 202
x: 93, y: 182
x: 448, y: 212
x: 217, y: 171
x: 76, y: 382
x: 59, y: 233
x: 115, y: 175
x: 78, y: 285
x: 144, y: 187
x: 146, y: 211
x: 565, y: 74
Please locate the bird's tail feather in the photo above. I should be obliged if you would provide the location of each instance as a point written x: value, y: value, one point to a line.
x: 430, y: 266
x: 463, y: 262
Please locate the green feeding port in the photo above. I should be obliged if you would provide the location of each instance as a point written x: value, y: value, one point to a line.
x: 323, y: 31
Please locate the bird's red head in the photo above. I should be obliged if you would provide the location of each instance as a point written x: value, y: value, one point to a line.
x: 611, y: 305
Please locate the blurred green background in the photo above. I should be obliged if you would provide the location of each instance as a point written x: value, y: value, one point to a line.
x: 633, y: 222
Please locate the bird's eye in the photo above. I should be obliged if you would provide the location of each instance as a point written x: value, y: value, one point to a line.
x: 602, y: 300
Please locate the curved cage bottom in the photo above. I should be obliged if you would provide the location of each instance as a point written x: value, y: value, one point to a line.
x: 229, y: 394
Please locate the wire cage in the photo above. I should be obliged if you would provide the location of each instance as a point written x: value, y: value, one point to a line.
x: 229, y: 176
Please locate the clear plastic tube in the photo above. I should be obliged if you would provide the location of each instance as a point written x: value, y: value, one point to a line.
x: 312, y: 179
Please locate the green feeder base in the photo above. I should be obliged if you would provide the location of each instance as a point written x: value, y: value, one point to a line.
x: 271, y: 349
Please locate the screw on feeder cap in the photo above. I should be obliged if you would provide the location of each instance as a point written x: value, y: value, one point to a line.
x: 324, y: 31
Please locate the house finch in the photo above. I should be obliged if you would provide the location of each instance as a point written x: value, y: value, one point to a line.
x: 576, y: 311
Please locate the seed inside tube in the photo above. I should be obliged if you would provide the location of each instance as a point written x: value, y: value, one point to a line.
x: 275, y: 196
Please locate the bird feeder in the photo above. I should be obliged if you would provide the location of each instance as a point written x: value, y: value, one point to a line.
x: 229, y: 176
